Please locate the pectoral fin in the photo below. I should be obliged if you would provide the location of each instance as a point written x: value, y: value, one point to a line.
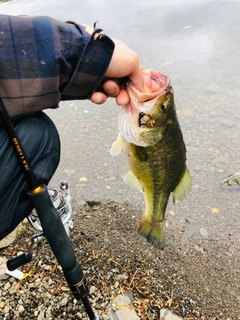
x: 116, y: 146
x: 131, y: 180
x: 182, y: 188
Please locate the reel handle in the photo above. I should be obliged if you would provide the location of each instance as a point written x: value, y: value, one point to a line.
x: 19, y: 261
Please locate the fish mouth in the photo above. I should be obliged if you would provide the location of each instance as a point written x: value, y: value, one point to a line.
x: 154, y: 84
x: 145, y: 120
x: 135, y: 117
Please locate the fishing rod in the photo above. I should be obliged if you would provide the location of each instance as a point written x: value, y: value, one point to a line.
x: 51, y: 223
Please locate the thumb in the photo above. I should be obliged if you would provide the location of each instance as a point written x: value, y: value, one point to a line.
x: 137, y: 79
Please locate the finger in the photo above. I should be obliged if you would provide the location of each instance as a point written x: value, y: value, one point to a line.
x: 137, y: 79
x: 98, y: 98
x: 111, y: 88
x: 123, y: 98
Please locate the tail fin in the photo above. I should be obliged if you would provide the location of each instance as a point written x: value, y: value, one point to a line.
x: 154, y: 232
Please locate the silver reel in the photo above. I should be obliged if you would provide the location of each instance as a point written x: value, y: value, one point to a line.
x: 61, y: 201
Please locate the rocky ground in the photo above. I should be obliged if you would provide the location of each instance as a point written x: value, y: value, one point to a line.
x: 196, y: 278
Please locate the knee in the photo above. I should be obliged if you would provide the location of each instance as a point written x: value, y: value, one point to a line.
x: 41, y: 143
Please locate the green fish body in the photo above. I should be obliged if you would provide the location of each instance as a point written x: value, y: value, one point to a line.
x: 158, y: 164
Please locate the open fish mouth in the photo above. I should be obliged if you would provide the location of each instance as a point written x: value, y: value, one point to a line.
x: 154, y: 84
x: 136, y: 116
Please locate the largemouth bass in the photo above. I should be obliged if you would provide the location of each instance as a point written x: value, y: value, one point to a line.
x: 152, y: 141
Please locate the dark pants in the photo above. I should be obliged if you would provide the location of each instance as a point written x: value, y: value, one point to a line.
x: 39, y: 138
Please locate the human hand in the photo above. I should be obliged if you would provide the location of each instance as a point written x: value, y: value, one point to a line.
x: 124, y: 63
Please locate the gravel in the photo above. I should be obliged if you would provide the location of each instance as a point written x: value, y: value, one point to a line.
x: 193, y: 278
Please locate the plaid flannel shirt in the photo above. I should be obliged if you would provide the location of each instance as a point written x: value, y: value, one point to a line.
x: 44, y: 61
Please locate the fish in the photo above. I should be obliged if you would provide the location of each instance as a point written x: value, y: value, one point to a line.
x: 151, y: 139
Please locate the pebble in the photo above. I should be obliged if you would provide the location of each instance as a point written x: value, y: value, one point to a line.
x: 121, y: 277
x: 220, y: 159
x: 68, y: 171
x: 21, y: 309
x: 41, y: 316
x: 124, y: 312
x: 197, y: 248
x: 3, y: 267
x: 92, y: 290
x: 79, y: 315
x: 64, y: 301
x: 203, y: 232
x: 6, y: 309
x: 7, y: 286
x: 166, y: 314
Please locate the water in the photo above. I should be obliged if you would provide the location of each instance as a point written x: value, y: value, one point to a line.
x: 198, y: 45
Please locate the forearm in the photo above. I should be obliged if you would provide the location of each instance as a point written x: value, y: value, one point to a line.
x: 44, y: 61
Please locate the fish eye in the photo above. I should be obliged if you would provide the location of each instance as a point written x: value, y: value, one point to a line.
x: 164, y: 106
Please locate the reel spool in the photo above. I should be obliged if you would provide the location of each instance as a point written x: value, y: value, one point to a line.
x: 61, y: 201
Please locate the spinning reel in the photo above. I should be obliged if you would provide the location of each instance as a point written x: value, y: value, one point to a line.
x: 61, y: 201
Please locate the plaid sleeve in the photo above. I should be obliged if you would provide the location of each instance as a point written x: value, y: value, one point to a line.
x: 44, y: 61
x: 92, y: 64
